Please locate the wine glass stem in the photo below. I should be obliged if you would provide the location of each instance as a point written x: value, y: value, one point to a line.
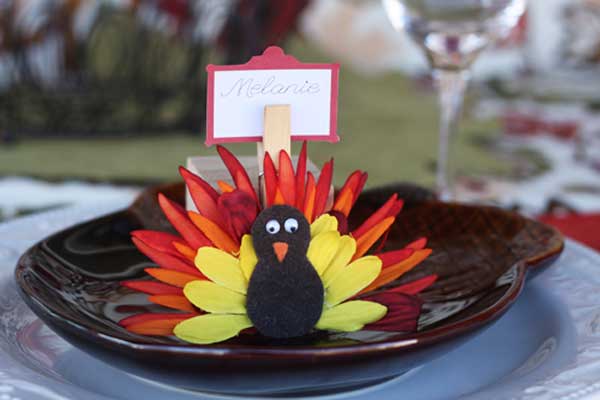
x: 451, y: 88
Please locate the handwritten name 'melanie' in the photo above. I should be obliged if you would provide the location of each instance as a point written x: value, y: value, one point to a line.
x: 249, y: 87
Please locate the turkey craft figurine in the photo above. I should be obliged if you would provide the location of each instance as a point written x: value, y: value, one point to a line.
x: 276, y: 258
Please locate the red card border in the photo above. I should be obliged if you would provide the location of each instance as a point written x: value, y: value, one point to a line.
x: 272, y: 58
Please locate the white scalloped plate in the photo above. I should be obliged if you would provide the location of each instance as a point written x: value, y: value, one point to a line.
x: 546, y: 347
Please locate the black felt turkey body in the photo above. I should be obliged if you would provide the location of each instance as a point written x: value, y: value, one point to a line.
x: 285, y: 292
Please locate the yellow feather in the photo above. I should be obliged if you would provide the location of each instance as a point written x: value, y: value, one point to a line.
x: 211, y: 328
x: 352, y: 279
x: 213, y: 298
x: 322, y: 224
x: 351, y: 316
x: 346, y: 249
x: 322, y: 249
x: 248, y: 257
x: 222, y: 268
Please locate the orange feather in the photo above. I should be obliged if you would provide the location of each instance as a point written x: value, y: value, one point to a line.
x: 309, y: 201
x: 173, y: 301
x: 344, y: 201
x: 185, y: 250
x: 163, y: 327
x: 279, y: 199
x: 225, y: 187
x: 287, y: 179
x: 364, y: 243
x: 393, y: 272
x: 169, y: 277
x: 216, y: 235
x: 355, y: 183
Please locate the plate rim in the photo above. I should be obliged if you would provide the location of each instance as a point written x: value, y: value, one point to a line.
x: 410, y: 341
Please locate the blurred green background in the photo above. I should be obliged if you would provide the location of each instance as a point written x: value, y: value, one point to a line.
x: 388, y: 127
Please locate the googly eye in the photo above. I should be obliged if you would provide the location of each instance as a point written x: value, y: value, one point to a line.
x: 272, y: 227
x: 291, y: 225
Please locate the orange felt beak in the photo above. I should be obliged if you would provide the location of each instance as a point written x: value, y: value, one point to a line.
x: 281, y: 249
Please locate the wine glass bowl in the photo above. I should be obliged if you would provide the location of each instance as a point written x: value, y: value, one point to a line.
x: 452, y: 33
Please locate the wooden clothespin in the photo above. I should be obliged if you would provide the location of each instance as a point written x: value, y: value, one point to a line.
x: 276, y: 137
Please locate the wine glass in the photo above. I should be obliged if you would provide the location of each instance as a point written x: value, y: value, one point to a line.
x: 452, y: 33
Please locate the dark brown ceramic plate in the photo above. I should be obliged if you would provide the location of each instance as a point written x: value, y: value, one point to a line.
x: 482, y: 256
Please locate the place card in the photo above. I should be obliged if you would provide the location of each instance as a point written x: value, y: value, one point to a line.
x: 238, y: 94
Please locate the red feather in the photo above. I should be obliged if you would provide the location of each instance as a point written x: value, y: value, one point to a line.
x: 323, y: 188
x: 237, y: 171
x: 376, y: 217
x: 396, y: 208
x: 204, y: 202
x: 139, y: 318
x: 301, y: 177
x: 352, y: 182
x: 180, y: 221
x: 239, y: 211
x: 360, y: 186
x: 382, y: 241
x: 165, y: 260
x: 270, y: 175
x: 189, y: 176
x: 402, y: 315
x: 152, y: 287
x: 287, y: 179
x: 160, y: 241
x: 342, y: 221
x: 418, y: 244
x: 414, y: 287
x: 394, y: 257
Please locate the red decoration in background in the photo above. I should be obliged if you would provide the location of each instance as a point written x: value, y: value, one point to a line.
x: 282, y: 19
x: 179, y: 10
x: 256, y: 24
x: 525, y: 124
x: 518, y: 35
x: 584, y: 228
